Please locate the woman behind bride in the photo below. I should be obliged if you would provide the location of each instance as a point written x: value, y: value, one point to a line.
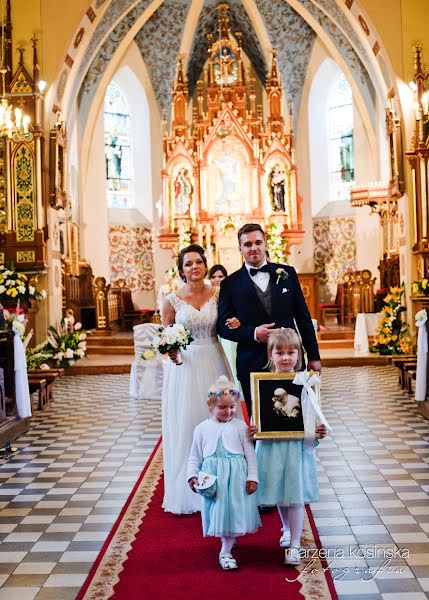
x: 184, y: 393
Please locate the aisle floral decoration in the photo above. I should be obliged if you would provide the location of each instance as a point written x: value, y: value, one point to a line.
x: 67, y: 343
x: 276, y: 244
x: 392, y: 335
x: 14, y: 287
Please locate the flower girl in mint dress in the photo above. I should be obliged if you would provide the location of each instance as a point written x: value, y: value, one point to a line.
x: 287, y: 467
x: 222, y: 468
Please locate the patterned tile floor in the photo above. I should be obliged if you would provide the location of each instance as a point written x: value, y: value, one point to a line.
x: 61, y: 492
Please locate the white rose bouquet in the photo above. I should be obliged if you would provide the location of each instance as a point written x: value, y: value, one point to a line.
x: 172, y: 337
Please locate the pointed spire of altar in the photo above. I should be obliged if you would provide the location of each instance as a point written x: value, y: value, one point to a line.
x: 274, y: 97
x: 223, y: 20
x: 180, y: 101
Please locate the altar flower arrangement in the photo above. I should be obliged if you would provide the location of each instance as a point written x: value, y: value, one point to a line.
x: 392, y: 335
x: 15, y: 288
x: 172, y: 337
x: 37, y: 357
x: 420, y: 288
x: 276, y: 243
x: 67, y: 343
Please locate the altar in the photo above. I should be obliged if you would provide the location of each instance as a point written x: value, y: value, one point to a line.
x: 228, y: 156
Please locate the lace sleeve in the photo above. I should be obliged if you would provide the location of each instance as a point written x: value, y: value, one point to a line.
x: 173, y: 300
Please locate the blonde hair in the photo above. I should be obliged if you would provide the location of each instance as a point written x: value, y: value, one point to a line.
x: 222, y: 387
x: 286, y: 336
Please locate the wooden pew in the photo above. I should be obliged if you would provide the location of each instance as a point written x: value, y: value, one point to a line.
x: 46, y: 390
x: 36, y: 384
x: 405, y: 364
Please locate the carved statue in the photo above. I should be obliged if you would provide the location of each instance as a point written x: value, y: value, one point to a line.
x: 182, y: 193
x: 226, y: 67
x: 277, y: 179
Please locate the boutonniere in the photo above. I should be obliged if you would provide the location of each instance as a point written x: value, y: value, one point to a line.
x: 281, y: 274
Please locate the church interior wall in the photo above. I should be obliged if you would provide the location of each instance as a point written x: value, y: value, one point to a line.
x: 342, y: 238
x: 399, y: 25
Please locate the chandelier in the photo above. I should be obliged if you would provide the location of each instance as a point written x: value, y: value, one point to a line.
x: 14, y: 123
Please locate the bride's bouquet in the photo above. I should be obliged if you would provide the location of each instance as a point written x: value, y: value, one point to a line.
x: 172, y: 337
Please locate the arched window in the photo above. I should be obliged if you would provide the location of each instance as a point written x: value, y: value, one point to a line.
x: 340, y: 140
x: 118, y: 151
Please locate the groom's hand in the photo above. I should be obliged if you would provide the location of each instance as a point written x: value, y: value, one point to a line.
x: 314, y: 365
x: 263, y: 332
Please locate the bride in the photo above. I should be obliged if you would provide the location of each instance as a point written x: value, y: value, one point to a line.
x: 184, y: 393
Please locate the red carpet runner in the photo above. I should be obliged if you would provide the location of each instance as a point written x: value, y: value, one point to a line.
x: 151, y: 555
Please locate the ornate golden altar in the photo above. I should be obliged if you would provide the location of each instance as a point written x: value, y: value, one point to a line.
x: 232, y: 163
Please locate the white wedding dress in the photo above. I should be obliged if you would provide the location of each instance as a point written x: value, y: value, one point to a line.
x: 184, y: 398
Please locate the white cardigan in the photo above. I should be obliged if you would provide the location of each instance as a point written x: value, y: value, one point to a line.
x: 234, y: 439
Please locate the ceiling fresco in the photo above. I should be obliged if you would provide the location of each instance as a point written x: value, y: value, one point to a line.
x: 159, y: 41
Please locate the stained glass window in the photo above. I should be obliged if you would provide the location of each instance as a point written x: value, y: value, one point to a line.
x: 340, y: 140
x: 117, y: 148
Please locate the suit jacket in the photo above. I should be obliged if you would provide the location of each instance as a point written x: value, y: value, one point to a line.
x: 238, y: 298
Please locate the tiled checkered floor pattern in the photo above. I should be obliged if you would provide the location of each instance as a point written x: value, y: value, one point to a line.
x: 61, y: 492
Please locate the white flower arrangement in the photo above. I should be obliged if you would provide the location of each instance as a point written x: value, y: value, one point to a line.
x: 172, y: 337
x: 421, y: 317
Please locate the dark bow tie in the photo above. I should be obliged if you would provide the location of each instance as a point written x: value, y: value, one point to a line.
x: 263, y: 269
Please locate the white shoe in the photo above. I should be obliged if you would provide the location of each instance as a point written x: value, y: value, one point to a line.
x: 285, y: 539
x: 227, y: 562
x: 292, y: 556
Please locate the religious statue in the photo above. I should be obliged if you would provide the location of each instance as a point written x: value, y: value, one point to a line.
x: 182, y: 193
x: 277, y: 180
x: 113, y: 158
x: 346, y: 158
x: 229, y: 170
x: 226, y: 67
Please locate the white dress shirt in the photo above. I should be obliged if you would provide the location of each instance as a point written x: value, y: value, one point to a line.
x: 234, y: 440
x: 262, y: 279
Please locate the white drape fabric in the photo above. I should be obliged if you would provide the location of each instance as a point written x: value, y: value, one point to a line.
x: 422, y: 352
x: 146, y: 375
x: 22, y: 392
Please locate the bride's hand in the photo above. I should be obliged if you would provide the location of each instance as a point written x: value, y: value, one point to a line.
x: 174, y: 355
x: 233, y: 323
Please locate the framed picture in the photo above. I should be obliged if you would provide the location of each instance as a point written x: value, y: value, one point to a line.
x: 276, y: 405
x: 57, y: 167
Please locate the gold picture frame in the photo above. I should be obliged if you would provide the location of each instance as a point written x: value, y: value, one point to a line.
x: 57, y: 168
x: 283, y: 421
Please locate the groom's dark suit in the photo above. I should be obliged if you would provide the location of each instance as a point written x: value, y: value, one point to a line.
x: 240, y: 298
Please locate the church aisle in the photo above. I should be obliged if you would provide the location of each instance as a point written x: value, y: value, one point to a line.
x: 60, y: 494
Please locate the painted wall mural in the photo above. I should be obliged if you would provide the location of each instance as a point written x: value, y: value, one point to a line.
x: 159, y: 43
x: 131, y: 256
x: 293, y: 39
x: 296, y: 47
x: 334, y: 252
x: 103, y: 57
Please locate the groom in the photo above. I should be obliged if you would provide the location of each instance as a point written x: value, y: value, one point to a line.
x: 263, y: 296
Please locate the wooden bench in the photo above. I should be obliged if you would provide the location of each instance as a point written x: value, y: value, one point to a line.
x: 405, y: 364
x: 36, y: 384
x: 46, y: 390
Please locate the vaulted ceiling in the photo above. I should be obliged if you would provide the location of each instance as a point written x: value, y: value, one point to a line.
x: 160, y: 40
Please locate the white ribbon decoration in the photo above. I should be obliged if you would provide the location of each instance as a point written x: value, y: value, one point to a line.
x: 310, y: 406
x: 22, y: 392
x: 422, y: 351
